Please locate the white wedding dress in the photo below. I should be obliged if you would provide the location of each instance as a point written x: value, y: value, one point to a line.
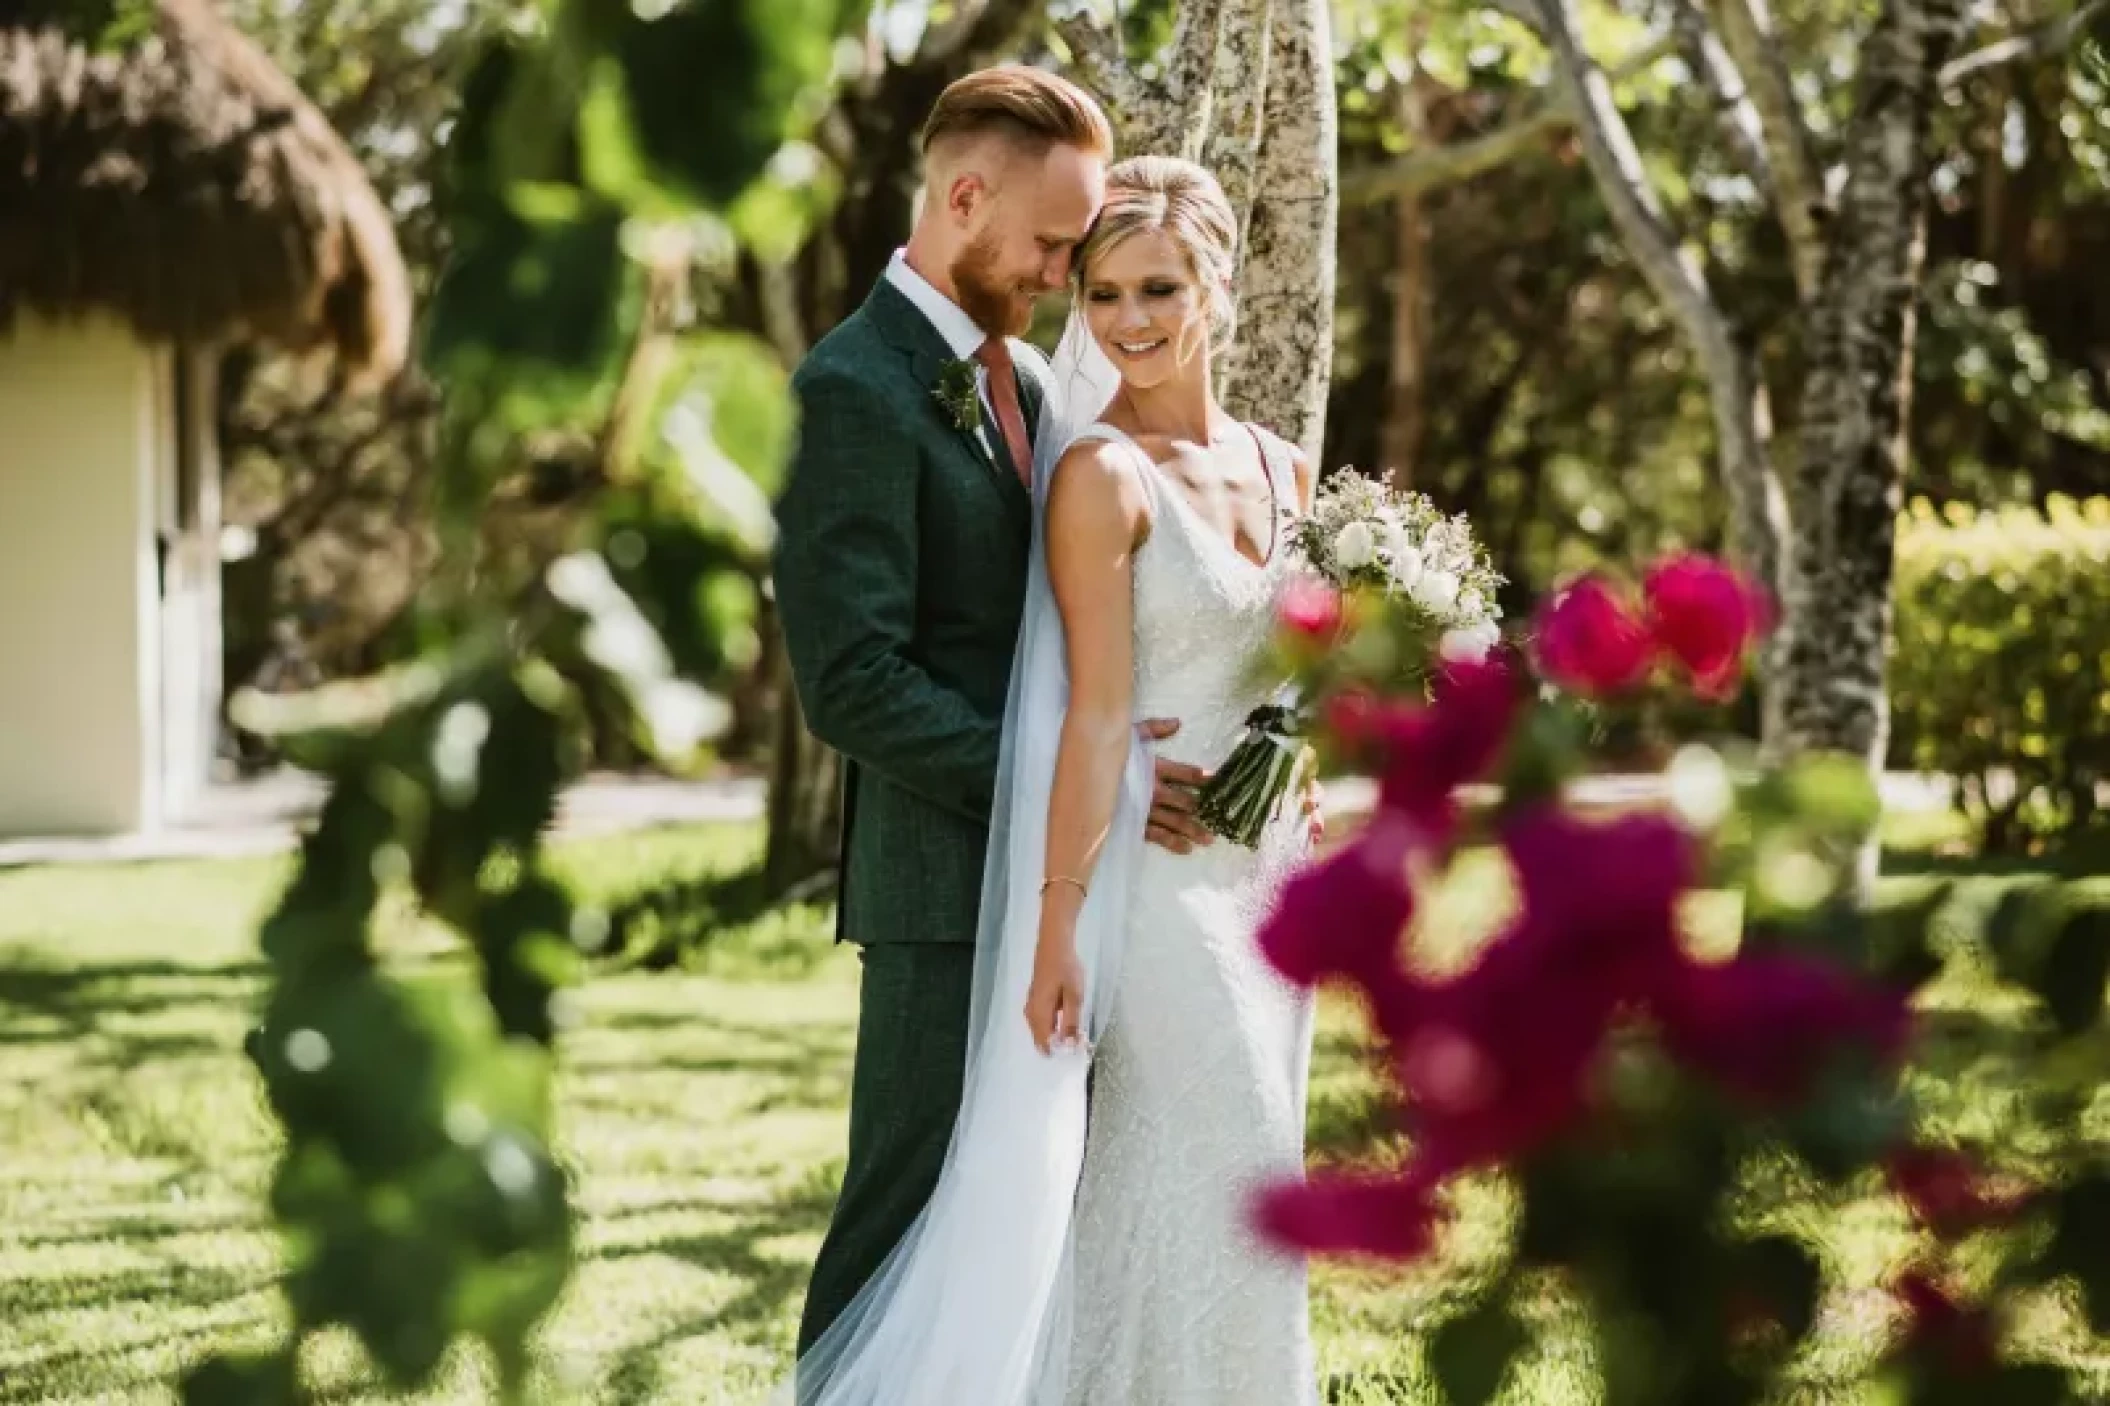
x: 1088, y: 1243
x: 1199, y: 1092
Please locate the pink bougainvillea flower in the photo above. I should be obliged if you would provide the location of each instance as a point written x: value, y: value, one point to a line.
x: 1310, y: 612
x: 1764, y: 1025
x: 1705, y: 616
x: 1600, y: 899
x: 1949, y: 1193
x: 1389, y: 1217
x: 1500, y: 1059
x: 1352, y: 718
x: 1590, y: 643
x: 1342, y: 918
x: 1430, y: 751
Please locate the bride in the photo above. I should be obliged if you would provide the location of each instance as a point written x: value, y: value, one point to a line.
x: 1066, y: 1259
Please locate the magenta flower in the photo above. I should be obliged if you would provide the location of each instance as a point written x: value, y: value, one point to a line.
x: 1430, y: 751
x: 1310, y: 611
x: 1764, y: 1025
x: 1600, y: 899
x: 1342, y: 918
x: 1389, y: 1217
x: 1705, y: 616
x: 1498, y: 1060
x: 1590, y: 643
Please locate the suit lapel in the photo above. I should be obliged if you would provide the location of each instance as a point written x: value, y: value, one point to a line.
x: 909, y: 332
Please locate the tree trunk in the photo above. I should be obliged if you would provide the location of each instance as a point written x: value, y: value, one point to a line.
x: 1279, y: 370
x: 1849, y: 476
x: 805, y: 797
x: 1742, y: 419
x: 1406, y: 408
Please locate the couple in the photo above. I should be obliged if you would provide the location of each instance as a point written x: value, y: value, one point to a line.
x: 989, y: 568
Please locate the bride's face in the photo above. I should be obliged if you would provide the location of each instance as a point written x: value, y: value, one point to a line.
x: 1147, y: 309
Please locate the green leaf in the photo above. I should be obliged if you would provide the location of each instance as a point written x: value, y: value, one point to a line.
x: 1471, y: 1354
x: 714, y: 87
x: 1835, y: 794
x: 532, y: 315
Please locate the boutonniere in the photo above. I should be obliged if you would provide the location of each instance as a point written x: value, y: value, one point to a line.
x: 957, y: 392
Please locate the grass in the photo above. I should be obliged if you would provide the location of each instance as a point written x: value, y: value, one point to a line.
x: 702, y: 1110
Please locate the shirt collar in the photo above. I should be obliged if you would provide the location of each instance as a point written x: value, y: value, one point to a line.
x: 953, y: 324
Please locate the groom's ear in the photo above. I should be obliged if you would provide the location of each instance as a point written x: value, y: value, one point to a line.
x: 967, y: 195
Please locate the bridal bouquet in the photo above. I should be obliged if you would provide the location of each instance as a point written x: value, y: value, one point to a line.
x: 1362, y: 544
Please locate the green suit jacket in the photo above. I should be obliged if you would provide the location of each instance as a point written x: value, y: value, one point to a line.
x: 900, y: 579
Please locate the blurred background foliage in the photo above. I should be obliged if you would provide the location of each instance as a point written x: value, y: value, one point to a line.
x: 1495, y: 347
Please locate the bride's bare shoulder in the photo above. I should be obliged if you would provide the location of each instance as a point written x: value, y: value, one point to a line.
x: 1100, y: 479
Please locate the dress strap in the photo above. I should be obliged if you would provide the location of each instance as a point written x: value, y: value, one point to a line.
x: 1281, y: 475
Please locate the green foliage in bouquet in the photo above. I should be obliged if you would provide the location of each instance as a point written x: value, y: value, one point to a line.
x: 596, y: 160
x: 2001, y: 675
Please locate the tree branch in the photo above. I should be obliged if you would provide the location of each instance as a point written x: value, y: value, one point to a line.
x: 1710, y: 62
x: 1100, y: 62
x: 2036, y: 42
x: 1435, y: 167
x: 1747, y: 33
x: 1735, y: 392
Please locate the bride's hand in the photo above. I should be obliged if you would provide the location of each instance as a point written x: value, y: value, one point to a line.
x: 1055, y: 1000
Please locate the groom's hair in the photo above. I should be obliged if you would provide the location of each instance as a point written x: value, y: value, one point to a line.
x: 1032, y: 107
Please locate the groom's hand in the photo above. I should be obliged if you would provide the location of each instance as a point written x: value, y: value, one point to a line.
x: 1173, y: 823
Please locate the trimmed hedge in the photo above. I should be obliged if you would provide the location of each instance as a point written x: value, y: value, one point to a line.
x: 2000, y: 674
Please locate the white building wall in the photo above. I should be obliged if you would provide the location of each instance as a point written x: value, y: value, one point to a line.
x: 82, y: 438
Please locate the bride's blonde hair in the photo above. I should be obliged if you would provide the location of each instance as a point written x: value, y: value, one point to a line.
x: 1165, y: 193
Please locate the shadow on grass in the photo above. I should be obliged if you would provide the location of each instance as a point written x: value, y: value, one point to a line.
x: 42, y: 1003
x: 771, y: 1285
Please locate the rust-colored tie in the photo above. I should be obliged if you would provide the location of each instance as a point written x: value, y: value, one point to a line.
x: 995, y: 356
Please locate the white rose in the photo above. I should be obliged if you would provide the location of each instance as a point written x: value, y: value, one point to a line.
x: 1471, y: 644
x: 1354, y: 547
x: 1406, y: 562
x: 1436, y: 592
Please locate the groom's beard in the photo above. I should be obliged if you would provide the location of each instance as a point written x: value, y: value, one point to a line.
x: 999, y: 308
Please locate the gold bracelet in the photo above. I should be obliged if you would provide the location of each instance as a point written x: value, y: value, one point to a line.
x: 1082, y: 891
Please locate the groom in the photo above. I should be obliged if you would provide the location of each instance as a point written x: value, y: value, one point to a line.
x: 901, y: 565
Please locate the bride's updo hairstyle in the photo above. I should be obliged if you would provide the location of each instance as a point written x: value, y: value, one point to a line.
x: 1186, y: 202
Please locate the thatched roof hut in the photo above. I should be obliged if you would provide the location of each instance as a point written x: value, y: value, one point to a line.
x: 185, y: 186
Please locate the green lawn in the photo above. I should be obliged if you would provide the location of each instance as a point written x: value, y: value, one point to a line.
x: 702, y: 1111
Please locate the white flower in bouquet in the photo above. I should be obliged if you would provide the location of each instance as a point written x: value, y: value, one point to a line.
x: 1470, y: 644
x: 1436, y: 592
x: 1406, y: 561
x: 1354, y: 546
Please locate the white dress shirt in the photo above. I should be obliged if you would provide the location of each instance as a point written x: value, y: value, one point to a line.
x: 959, y: 331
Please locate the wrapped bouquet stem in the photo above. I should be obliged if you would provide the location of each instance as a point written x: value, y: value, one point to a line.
x: 1248, y: 789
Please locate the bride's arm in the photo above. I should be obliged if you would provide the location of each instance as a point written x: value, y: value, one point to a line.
x: 1097, y: 514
